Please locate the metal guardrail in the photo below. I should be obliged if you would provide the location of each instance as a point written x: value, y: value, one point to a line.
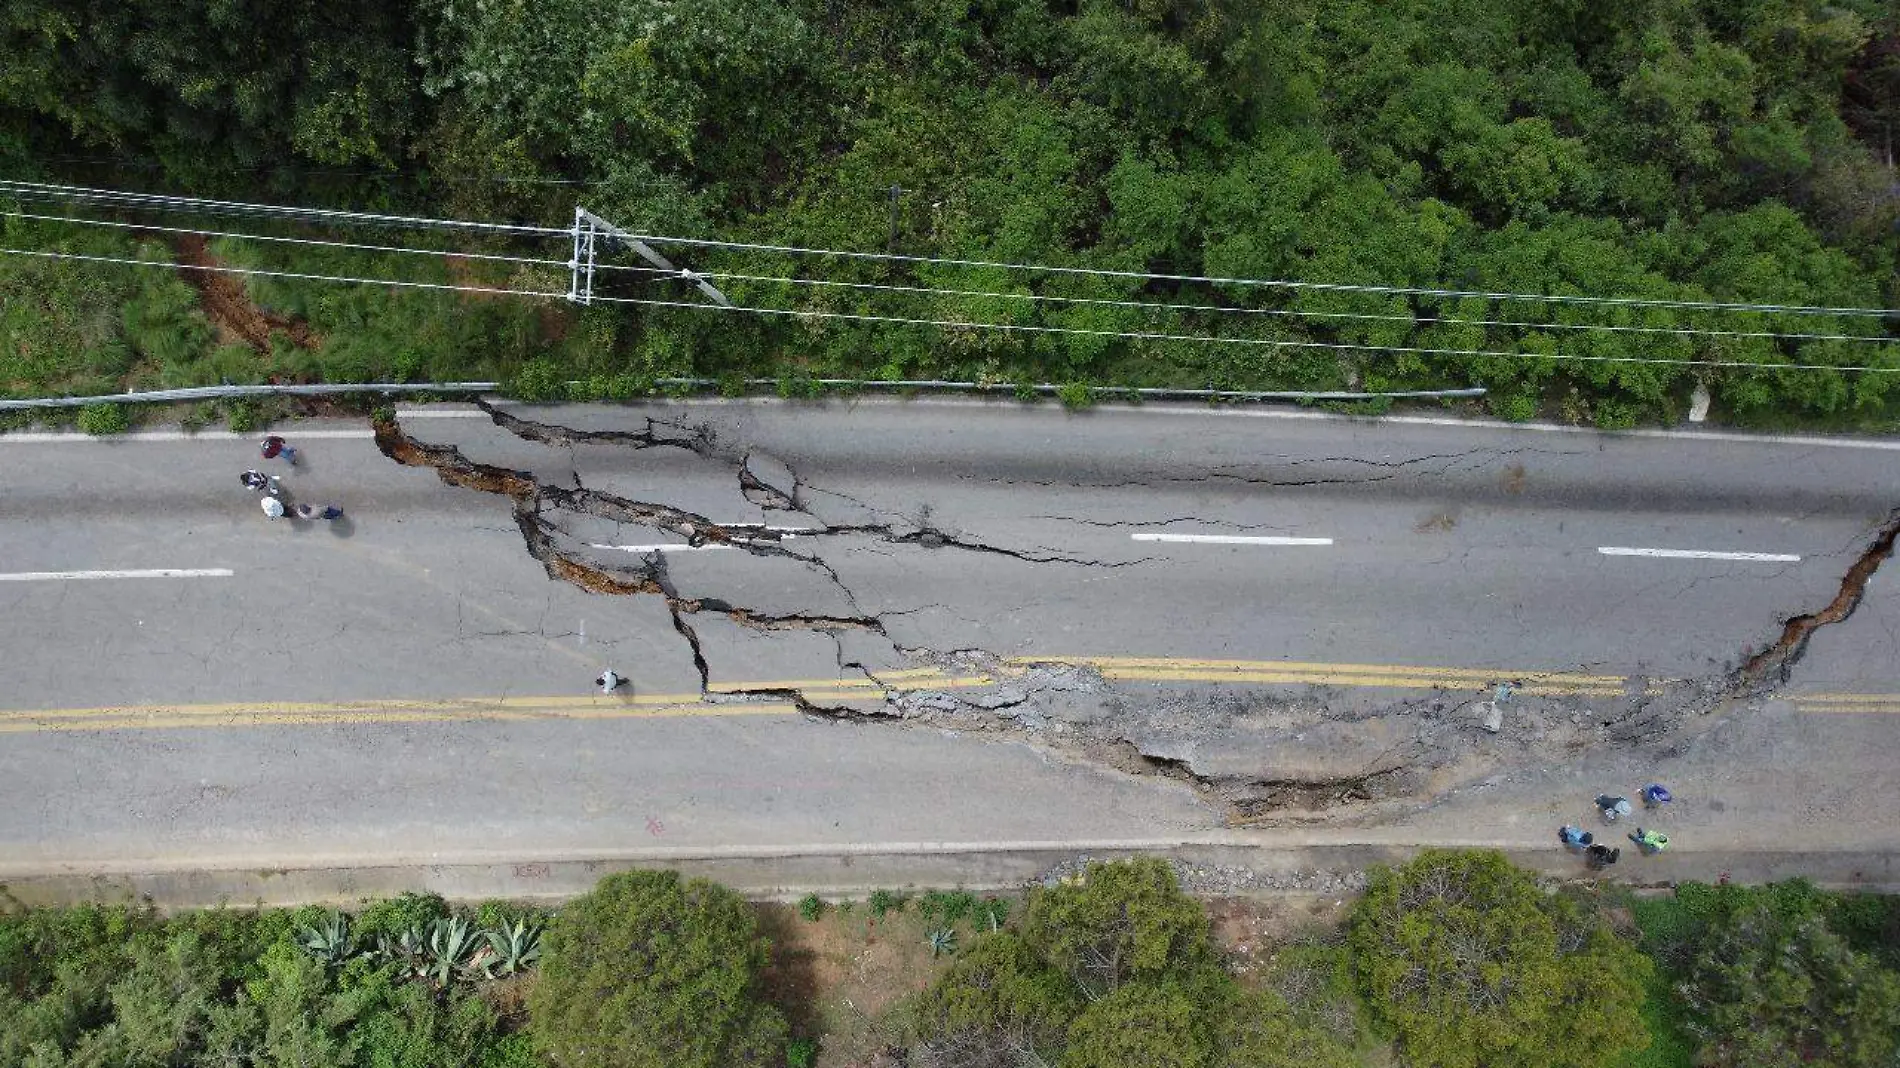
x: 1109, y: 393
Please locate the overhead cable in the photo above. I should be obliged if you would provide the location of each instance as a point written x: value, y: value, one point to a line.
x: 167, y: 202
x: 1290, y: 313
x: 259, y: 272
x: 176, y: 203
x: 1271, y: 283
x: 986, y: 294
x: 1262, y: 342
x: 450, y: 253
x: 1003, y: 327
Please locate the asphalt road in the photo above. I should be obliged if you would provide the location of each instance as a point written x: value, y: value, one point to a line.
x: 1264, y: 596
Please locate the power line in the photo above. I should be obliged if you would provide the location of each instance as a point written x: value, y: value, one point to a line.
x: 166, y: 202
x: 286, y: 240
x: 984, y: 294
x: 437, y: 176
x: 1270, y: 283
x: 1291, y: 313
x: 171, y: 266
x: 1004, y: 327
x: 1265, y: 342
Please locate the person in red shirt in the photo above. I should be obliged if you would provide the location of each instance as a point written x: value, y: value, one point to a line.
x: 275, y: 446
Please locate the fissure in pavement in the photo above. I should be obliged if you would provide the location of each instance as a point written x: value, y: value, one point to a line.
x: 1771, y: 667
x: 773, y: 486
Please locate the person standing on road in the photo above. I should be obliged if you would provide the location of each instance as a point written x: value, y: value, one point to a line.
x: 609, y: 681
x: 274, y: 446
x: 1650, y: 842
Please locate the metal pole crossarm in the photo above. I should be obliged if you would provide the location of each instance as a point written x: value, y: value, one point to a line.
x: 597, y: 224
x: 580, y: 266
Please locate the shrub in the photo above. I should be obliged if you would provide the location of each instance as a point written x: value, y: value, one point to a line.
x: 104, y: 419
x: 811, y: 907
x: 801, y: 1053
x: 1513, y: 407
x: 539, y: 381
x: 993, y: 913
x: 648, y: 971
x: 242, y: 417
x: 1076, y: 396
x: 394, y: 915
x: 883, y: 901
x: 946, y: 907
x: 1469, y: 963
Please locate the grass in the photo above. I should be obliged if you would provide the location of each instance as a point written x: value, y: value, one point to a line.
x: 1666, y: 925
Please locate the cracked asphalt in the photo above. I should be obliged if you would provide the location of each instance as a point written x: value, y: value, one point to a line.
x: 931, y: 621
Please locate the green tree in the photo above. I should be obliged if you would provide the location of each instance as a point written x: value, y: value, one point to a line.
x: 1769, y: 988
x: 1258, y: 1030
x: 1120, y: 921
x: 1471, y: 965
x: 997, y: 1000
x: 1141, y: 1023
x: 649, y: 971
x: 218, y: 93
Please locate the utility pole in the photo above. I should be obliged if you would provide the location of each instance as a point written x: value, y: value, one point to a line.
x: 580, y: 288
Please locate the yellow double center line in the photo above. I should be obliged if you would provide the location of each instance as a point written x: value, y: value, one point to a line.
x: 1848, y: 703
x: 756, y: 698
x: 1382, y: 676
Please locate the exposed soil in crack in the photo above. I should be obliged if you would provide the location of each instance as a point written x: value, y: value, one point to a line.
x: 227, y: 304
x: 1772, y: 666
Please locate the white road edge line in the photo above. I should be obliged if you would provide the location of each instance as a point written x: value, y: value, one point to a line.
x: 1227, y: 539
x: 149, y: 573
x: 1699, y: 554
x: 66, y: 438
x: 1204, y: 411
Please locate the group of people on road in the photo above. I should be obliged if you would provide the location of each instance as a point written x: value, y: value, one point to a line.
x: 273, y: 498
x: 1612, y: 807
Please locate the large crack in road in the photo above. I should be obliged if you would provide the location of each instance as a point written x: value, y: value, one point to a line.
x: 1433, y: 746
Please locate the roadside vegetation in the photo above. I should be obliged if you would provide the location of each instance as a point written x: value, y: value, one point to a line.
x: 1668, y: 150
x: 1457, y: 960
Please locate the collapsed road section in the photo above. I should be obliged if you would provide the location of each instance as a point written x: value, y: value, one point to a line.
x: 872, y: 571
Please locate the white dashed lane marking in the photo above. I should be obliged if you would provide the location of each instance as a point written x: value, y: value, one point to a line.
x: 1700, y: 554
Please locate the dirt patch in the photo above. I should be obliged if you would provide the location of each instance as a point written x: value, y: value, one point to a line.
x: 233, y: 316
x: 838, y: 976
x: 1247, y: 930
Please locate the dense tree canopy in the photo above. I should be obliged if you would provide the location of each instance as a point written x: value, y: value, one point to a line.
x: 1770, y: 984
x: 1670, y: 150
x: 1114, y: 967
x: 1472, y: 965
x: 650, y: 970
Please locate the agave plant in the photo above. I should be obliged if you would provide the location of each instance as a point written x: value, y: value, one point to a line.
x: 512, y: 949
x: 409, y: 951
x: 329, y: 941
x: 452, y: 946
x: 942, y: 940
